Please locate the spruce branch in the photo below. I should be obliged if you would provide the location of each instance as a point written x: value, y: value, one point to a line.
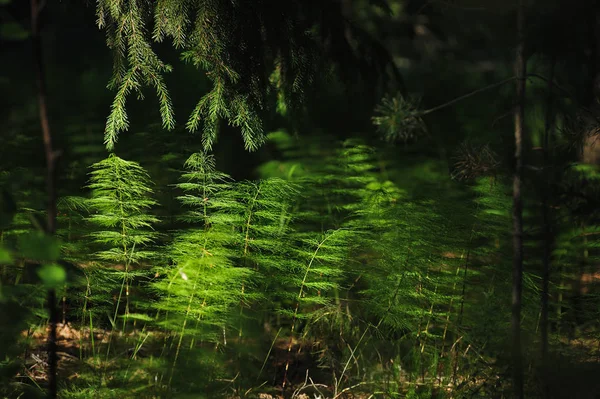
x: 230, y: 40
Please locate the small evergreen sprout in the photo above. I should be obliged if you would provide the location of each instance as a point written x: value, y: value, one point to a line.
x: 399, y: 118
x: 472, y: 162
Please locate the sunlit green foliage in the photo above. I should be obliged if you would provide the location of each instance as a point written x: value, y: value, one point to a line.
x: 203, y: 284
x: 119, y: 204
x: 119, y: 210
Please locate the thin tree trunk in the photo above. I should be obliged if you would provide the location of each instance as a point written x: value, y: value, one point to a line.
x: 517, y: 278
x: 548, y: 231
x: 51, y: 156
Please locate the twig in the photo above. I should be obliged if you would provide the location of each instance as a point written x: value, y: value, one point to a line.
x: 307, y: 385
x: 489, y: 87
x: 268, y: 354
x: 465, y: 96
x: 316, y: 386
x: 349, y: 388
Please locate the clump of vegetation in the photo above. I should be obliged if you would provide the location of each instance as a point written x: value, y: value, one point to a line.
x: 457, y: 257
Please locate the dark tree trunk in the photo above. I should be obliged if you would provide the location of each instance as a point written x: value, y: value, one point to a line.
x: 517, y: 278
x: 547, y: 226
x: 51, y: 155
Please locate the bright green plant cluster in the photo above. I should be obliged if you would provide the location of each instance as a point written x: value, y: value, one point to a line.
x: 379, y: 281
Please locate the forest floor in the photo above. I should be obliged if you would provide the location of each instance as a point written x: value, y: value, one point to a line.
x: 572, y: 373
x: 77, y: 367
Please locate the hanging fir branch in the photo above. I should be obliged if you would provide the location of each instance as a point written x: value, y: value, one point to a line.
x: 248, y: 51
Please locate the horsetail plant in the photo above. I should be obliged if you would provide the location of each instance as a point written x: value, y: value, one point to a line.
x: 119, y: 205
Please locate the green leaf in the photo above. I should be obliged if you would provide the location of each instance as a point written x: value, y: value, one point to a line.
x: 137, y: 316
x: 587, y: 170
x: 497, y: 212
x: 52, y: 275
x: 374, y: 186
x: 39, y: 246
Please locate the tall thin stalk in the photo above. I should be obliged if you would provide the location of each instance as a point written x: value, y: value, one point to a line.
x: 517, y: 274
x: 297, y: 306
x: 51, y: 157
x: 547, y: 223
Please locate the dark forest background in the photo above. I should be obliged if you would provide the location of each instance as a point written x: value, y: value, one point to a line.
x: 329, y: 199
